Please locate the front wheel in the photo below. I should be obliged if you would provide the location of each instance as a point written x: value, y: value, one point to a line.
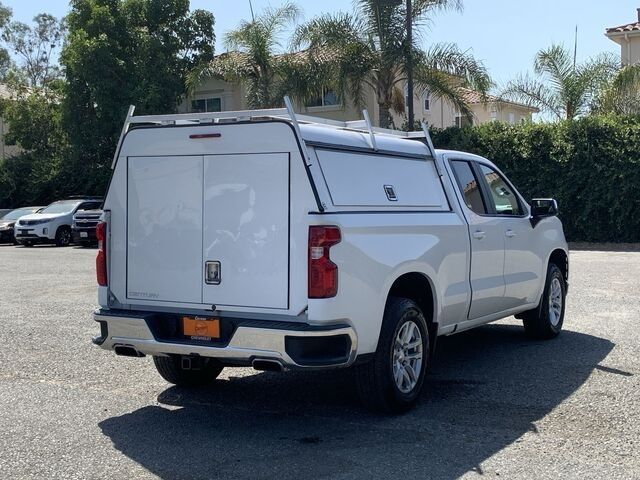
x: 63, y: 236
x: 392, y: 381
x: 187, y: 371
x: 546, y: 321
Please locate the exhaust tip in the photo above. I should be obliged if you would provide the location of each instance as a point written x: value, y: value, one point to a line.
x: 125, y: 351
x: 267, y: 365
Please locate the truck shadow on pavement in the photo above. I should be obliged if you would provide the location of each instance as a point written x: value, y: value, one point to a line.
x: 486, y: 389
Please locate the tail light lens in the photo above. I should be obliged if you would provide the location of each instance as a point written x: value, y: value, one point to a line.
x: 101, y: 259
x: 323, y: 273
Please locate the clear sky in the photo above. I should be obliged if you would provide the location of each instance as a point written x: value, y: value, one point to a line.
x: 505, y: 34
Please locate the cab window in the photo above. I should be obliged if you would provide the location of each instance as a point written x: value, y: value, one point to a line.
x: 469, y: 187
x: 504, y: 199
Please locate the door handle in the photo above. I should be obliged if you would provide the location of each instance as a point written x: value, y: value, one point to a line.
x: 479, y: 235
x: 510, y: 233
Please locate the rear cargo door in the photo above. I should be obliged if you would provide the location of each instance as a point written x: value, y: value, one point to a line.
x: 164, y: 229
x: 245, y: 251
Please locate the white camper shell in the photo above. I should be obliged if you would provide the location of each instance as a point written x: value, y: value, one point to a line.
x: 278, y: 240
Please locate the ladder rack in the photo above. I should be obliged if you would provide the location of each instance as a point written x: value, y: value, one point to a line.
x: 288, y: 114
x: 275, y: 113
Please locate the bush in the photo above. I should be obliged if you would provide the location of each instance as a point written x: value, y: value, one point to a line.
x: 591, y: 166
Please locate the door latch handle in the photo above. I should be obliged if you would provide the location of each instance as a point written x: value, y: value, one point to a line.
x: 478, y: 235
x: 510, y: 233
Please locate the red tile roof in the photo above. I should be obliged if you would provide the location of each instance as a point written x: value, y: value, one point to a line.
x: 473, y: 97
x: 629, y: 27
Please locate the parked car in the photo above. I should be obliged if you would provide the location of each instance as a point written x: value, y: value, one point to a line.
x: 8, y: 221
x: 4, y: 211
x: 84, y: 226
x: 288, y: 244
x: 53, y: 223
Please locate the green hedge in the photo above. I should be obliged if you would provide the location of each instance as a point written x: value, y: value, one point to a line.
x: 591, y: 166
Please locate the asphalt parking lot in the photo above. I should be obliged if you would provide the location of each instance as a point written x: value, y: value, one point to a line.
x: 495, y: 403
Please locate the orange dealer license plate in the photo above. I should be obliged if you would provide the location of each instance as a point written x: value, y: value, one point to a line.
x: 200, y: 328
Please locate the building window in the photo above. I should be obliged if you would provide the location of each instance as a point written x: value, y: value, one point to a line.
x: 205, y: 105
x: 463, y: 120
x: 494, y: 113
x: 328, y: 98
x: 426, y: 101
x: 512, y: 118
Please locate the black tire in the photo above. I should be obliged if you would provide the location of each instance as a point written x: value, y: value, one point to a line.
x: 203, y: 372
x: 375, y: 381
x: 63, y: 236
x: 542, y: 323
x: 27, y: 244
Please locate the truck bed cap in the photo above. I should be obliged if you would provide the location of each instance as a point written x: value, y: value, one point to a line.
x: 318, y: 134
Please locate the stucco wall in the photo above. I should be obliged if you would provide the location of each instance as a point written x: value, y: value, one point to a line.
x: 440, y: 113
x: 232, y: 96
x: 6, y: 150
x: 630, y: 51
x: 629, y: 46
x: 500, y: 112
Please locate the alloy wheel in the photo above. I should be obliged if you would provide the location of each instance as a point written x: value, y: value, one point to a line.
x: 555, y: 301
x: 407, y: 357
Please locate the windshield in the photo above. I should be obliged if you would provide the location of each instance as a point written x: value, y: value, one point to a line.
x: 66, y: 206
x: 20, y: 212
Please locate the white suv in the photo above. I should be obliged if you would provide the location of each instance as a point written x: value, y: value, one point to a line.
x: 52, y: 224
x: 287, y: 242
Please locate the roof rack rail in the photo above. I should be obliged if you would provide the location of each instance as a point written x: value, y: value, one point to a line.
x: 279, y: 113
x: 287, y: 113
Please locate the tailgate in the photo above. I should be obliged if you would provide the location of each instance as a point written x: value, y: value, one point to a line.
x: 211, y: 229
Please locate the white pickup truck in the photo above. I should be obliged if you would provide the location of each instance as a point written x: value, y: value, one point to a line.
x: 287, y: 242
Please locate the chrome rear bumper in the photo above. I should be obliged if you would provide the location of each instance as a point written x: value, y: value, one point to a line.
x: 250, y: 341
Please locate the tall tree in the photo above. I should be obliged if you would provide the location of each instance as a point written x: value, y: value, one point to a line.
x: 369, y: 48
x: 622, y: 94
x: 561, y: 86
x: 254, y: 59
x: 33, y: 175
x: 5, y: 57
x: 122, y: 52
x: 35, y: 46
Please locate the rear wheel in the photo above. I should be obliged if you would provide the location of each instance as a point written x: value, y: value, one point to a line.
x: 63, y: 236
x: 392, y: 381
x: 188, y: 371
x: 546, y: 321
x: 27, y: 243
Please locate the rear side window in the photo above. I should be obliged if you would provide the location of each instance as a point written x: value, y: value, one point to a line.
x: 469, y: 187
x: 504, y: 199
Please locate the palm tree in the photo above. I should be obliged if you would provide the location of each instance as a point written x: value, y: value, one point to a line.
x: 253, y: 60
x: 622, y: 94
x: 370, y: 48
x: 562, y: 87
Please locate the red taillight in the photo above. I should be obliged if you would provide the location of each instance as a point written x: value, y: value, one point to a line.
x: 101, y: 259
x: 323, y: 273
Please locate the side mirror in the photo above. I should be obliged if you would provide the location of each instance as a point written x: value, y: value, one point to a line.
x: 542, y: 208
